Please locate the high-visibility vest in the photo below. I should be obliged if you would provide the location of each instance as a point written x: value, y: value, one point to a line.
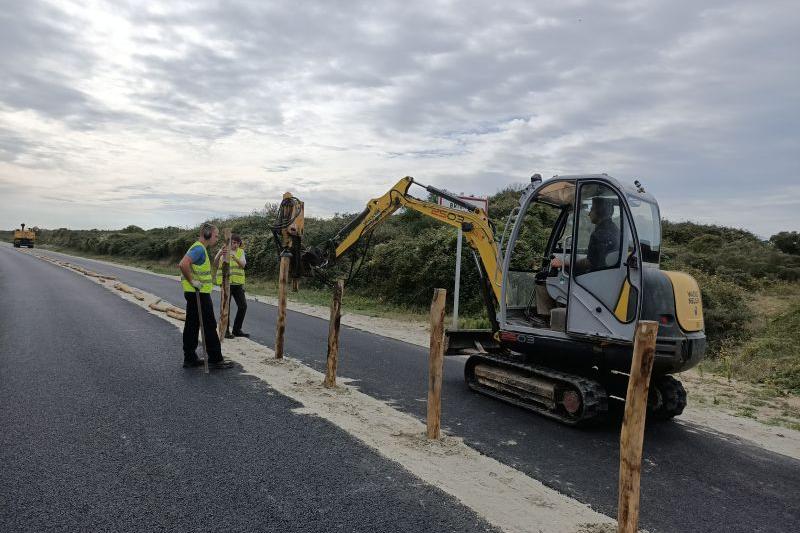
x: 237, y: 272
x: 201, y: 273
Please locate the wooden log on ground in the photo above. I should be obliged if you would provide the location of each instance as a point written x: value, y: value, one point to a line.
x: 632, y: 434
x: 159, y: 306
x: 283, y: 281
x: 435, y: 364
x: 123, y: 288
x: 225, y: 288
x: 333, y: 334
x: 179, y: 314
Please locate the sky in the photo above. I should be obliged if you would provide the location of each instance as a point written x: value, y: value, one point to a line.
x: 157, y: 114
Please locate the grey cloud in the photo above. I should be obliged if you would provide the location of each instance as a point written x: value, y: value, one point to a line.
x: 43, y: 58
x: 688, y: 97
x: 12, y: 146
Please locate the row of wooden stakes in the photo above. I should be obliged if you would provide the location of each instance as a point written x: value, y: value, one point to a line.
x: 631, y: 435
x: 436, y: 361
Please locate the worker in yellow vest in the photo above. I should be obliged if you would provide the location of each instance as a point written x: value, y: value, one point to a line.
x: 195, y: 270
x: 238, y: 264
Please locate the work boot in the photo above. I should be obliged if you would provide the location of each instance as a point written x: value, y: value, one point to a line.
x: 221, y: 364
x: 228, y: 335
x: 192, y: 363
x: 241, y: 334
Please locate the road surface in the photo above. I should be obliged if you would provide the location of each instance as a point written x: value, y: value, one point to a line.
x: 692, y: 479
x: 102, y: 430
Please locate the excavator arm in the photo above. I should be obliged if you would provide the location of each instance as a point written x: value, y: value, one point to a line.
x: 474, y: 223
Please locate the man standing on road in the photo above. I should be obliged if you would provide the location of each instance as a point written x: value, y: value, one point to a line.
x: 195, y: 270
x: 238, y: 264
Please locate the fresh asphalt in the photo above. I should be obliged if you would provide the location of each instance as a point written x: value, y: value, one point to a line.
x: 692, y: 479
x: 102, y: 430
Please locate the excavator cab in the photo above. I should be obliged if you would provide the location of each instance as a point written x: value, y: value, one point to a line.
x: 570, y: 301
x: 586, y: 278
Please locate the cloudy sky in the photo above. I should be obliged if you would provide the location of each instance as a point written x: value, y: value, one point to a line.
x: 117, y: 113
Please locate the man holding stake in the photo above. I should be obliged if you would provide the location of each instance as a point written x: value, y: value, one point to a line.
x: 195, y: 270
x: 238, y: 264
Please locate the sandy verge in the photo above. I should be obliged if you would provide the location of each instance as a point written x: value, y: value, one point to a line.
x: 738, y: 412
x: 741, y: 410
x: 503, y: 496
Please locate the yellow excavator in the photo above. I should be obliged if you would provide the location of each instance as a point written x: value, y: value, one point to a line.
x: 561, y: 336
x: 23, y: 237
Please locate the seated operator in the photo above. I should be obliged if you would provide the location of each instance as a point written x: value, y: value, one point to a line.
x: 604, y: 239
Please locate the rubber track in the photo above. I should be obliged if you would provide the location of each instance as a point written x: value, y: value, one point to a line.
x: 593, y: 395
x: 673, y: 398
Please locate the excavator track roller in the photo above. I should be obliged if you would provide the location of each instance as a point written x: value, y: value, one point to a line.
x: 566, y: 397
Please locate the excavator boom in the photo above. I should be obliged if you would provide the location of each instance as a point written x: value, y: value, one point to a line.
x: 473, y: 221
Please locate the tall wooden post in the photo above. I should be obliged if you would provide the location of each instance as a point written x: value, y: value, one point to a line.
x: 333, y: 334
x: 225, y: 288
x: 283, y: 281
x: 435, y: 364
x: 632, y: 435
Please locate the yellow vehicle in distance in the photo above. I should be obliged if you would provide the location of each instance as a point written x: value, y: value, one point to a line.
x: 23, y: 237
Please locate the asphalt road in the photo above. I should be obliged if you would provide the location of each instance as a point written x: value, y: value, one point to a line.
x: 102, y: 430
x: 692, y: 480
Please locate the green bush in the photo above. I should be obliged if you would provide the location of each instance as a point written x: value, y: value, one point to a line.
x: 726, y: 310
x: 772, y: 356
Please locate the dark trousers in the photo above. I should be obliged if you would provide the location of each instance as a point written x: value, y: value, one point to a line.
x: 237, y: 293
x: 192, y: 327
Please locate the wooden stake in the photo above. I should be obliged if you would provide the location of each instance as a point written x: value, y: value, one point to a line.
x: 283, y: 281
x: 435, y: 364
x: 632, y: 435
x: 333, y: 334
x: 225, y: 288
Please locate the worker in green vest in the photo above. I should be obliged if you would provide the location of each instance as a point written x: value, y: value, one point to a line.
x: 238, y: 263
x: 195, y: 270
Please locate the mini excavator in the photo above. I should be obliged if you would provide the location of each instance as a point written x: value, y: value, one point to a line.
x: 562, y: 330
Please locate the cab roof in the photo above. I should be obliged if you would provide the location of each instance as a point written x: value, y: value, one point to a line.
x: 560, y: 190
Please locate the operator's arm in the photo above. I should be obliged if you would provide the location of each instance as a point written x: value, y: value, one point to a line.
x: 241, y: 262
x: 583, y: 264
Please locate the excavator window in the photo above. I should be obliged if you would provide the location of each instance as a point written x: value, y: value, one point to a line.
x: 647, y: 220
x: 599, y: 231
x: 529, y: 260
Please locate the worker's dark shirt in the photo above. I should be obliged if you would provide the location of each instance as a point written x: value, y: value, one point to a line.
x: 603, y: 241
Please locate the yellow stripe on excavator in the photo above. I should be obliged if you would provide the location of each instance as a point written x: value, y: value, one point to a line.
x: 621, y: 311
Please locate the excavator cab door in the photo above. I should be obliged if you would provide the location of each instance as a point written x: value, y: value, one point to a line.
x: 604, y: 267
